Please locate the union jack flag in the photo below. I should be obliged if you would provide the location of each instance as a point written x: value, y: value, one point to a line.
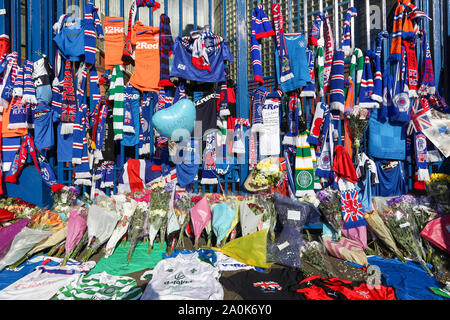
x: 351, y: 206
x: 420, y: 113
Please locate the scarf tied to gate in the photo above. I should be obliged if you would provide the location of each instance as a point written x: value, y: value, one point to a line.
x: 286, y: 71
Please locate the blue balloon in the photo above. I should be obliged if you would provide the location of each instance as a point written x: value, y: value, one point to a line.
x: 176, y: 122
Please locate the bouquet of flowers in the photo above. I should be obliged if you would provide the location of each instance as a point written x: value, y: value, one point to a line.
x: 266, y: 174
x: 314, y: 254
x: 101, y: 221
x: 358, y: 120
x: 269, y: 218
x: 64, y: 199
x: 438, y: 189
x: 159, y: 207
x: 136, y: 228
x: 182, y: 207
x: 76, y: 228
x: 404, y: 230
x: 125, y: 209
x: 330, y: 206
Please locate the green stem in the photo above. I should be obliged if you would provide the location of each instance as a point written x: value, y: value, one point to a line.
x: 19, y: 262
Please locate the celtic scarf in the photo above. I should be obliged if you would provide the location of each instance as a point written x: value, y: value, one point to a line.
x: 304, y: 169
x: 117, y: 95
x: 320, y: 60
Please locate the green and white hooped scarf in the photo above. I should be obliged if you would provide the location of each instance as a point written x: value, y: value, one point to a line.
x: 304, y: 168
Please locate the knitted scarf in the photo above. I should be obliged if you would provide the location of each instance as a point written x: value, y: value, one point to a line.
x: 209, y: 160
x: 165, y: 50
x: 18, y: 83
x: 400, y: 96
x: 131, y: 121
x: 324, y: 152
x: 337, y: 79
x: 315, y: 36
x: 427, y: 83
x: 117, y: 94
x: 328, y: 49
x: 40, y: 163
x: 420, y: 146
x: 317, y: 185
x: 222, y: 100
x: 258, y: 99
x: 310, y: 89
x: 285, y: 67
x: 403, y: 28
x: 349, y: 103
x: 238, y: 139
x: 261, y: 28
x: 98, y: 128
x: 304, y: 169
x: 377, y: 94
x: 356, y: 69
x: 9, y: 66
x: 366, y: 89
x: 67, y: 100
x: 18, y: 117
x: 29, y: 91
x: 92, y: 30
x: 316, y: 125
x: 320, y: 61
x: 291, y: 136
x: 80, y: 155
x: 346, y: 32
x: 412, y: 68
x: 146, y: 128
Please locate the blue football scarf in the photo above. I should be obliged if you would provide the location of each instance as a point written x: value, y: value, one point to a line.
x: 337, y: 79
x: 400, y: 98
x: 290, y: 138
x: 310, y: 89
x: 285, y: 70
x: 80, y: 150
x: 366, y: 89
x: 131, y: 122
x: 92, y: 30
x: 146, y: 127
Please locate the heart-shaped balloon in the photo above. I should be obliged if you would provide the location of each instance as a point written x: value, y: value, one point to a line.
x: 176, y: 122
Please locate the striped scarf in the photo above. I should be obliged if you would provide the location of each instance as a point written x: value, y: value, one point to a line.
x: 9, y: 64
x: 325, y: 151
x: 165, y: 50
x: 117, y: 94
x: 366, y: 90
x: 304, y: 168
x: 65, y: 100
x: 18, y: 83
x: 261, y: 28
x: 328, y: 49
x: 337, y: 81
x: 320, y: 70
x: 291, y: 136
x: 346, y: 32
x: 80, y: 149
x: 310, y: 89
x: 92, y: 30
x: 285, y: 67
x: 258, y: 98
x: 29, y: 91
x: 427, y: 85
x: 146, y: 128
x: 377, y: 94
x: 98, y: 128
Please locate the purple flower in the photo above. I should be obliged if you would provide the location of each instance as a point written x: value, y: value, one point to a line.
x: 74, y: 190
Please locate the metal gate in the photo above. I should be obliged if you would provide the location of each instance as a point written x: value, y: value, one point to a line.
x: 29, y: 24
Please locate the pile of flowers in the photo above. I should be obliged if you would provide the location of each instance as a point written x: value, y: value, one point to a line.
x: 12, y: 209
x: 438, y: 188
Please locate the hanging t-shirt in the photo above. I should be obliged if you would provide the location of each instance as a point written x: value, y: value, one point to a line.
x: 392, y: 177
x: 70, y: 40
x: 114, y: 41
x: 183, y: 67
x: 100, y: 286
x: 254, y: 285
x: 184, y: 277
x: 296, y: 47
x: 64, y: 146
x: 206, y: 113
x: 44, y: 135
x: 146, y: 69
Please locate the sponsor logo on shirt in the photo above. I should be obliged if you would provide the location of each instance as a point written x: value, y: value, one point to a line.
x: 389, y: 166
x: 113, y: 30
x: 148, y: 46
x: 181, y: 66
x: 268, y: 286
